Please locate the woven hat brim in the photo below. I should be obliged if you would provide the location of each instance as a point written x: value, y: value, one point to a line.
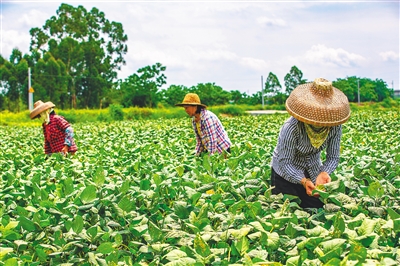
x: 194, y: 104
x: 318, y: 110
x: 36, y: 112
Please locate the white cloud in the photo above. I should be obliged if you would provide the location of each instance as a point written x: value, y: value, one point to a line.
x: 389, y: 56
x: 33, y: 18
x: 271, y: 21
x: 14, y: 39
x: 320, y: 54
x: 254, y: 63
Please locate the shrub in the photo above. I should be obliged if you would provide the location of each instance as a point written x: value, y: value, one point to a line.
x: 116, y: 112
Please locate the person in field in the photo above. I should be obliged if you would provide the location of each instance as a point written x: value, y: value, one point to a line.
x: 210, y: 134
x: 317, y: 112
x: 58, y: 133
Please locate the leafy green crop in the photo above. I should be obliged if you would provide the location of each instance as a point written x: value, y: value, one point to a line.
x: 134, y: 194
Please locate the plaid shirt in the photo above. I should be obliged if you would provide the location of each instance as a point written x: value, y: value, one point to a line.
x: 213, y: 136
x: 56, y: 136
x: 294, y: 153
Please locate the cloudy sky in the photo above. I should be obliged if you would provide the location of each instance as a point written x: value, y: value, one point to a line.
x: 234, y: 43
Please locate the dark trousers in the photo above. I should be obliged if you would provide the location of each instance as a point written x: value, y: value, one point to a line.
x: 285, y: 187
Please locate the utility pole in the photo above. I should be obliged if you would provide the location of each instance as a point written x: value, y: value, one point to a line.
x: 262, y: 92
x: 358, y: 86
x: 30, y: 90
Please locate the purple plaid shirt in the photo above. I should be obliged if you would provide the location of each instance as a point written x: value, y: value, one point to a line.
x: 213, y: 136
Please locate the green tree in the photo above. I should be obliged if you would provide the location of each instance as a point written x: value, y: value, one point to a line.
x: 348, y: 88
x: 256, y: 98
x: 293, y: 79
x: 50, y: 80
x: 174, y: 94
x: 14, y: 80
x: 211, y: 94
x: 369, y: 90
x: 142, y: 90
x: 272, y: 88
x: 237, y: 97
x: 90, y: 46
x: 382, y: 90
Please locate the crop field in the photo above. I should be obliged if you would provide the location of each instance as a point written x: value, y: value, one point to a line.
x: 134, y: 194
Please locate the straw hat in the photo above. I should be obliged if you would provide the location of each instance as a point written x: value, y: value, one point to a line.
x: 191, y: 99
x: 39, y: 107
x: 319, y: 104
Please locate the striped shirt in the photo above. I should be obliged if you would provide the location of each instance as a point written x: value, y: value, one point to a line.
x: 212, y: 136
x: 294, y: 154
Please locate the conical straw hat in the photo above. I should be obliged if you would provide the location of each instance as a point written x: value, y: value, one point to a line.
x: 319, y: 104
x: 191, y: 99
x: 39, y: 107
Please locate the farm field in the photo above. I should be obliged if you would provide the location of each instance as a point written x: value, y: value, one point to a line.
x: 134, y: 194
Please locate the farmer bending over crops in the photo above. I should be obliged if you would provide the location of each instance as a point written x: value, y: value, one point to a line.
x: 210, y: 134
x: 58, y: 133
x: 317, y: 111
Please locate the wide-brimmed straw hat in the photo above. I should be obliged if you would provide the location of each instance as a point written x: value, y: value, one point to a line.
x: 39, y: 107
x: 318, y: 103
x: 191, y: 99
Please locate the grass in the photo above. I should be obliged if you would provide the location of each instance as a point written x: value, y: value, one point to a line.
x: 135, y: 113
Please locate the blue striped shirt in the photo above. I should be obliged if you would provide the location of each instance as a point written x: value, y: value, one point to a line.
x: 294, y: 153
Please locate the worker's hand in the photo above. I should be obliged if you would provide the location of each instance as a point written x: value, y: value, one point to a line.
x: 308, y: 185
x: 322, y: 178
x: 64, y: 150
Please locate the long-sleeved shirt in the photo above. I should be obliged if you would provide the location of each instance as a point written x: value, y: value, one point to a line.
x: 57, y: 134
x: 212, y: 136
x: 294, y: 154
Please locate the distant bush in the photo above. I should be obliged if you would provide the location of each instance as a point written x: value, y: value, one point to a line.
x: 116, y: 112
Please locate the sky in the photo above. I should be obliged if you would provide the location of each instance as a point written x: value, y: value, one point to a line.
x: 236, y: 44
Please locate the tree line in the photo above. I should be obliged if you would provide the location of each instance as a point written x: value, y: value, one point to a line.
x: 74, y: 59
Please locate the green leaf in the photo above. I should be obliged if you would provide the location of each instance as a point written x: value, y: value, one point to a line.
x: 68, y: 186
x: 145, y: 184
x: 293, y: 230
x: 333, y: 262
x: 338, y: 225
x: 99, y: 177
x: 334, y: 253
x: 155, y: 232
x: 376, y: 190
x: 181, y: 211
x: 11, y: 262
x: 273, y: 240
x: 201, y: 246
x: 242, y: 245
x: 206, y: 163
x: 392, y: 214
x: 310, y: 243
x: 180, y: 170
x: 330, y: 245
x: 125, y: 186
x: 126, y: 204
x: 357, y: 252
x: 88, y: 194
x: 77, y: 224
x: 28, y: 225
x: 367, y: 227
x: 4, y: 251
x: 105, y: 248
x: 92, y: 231
x: 175, y: 254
